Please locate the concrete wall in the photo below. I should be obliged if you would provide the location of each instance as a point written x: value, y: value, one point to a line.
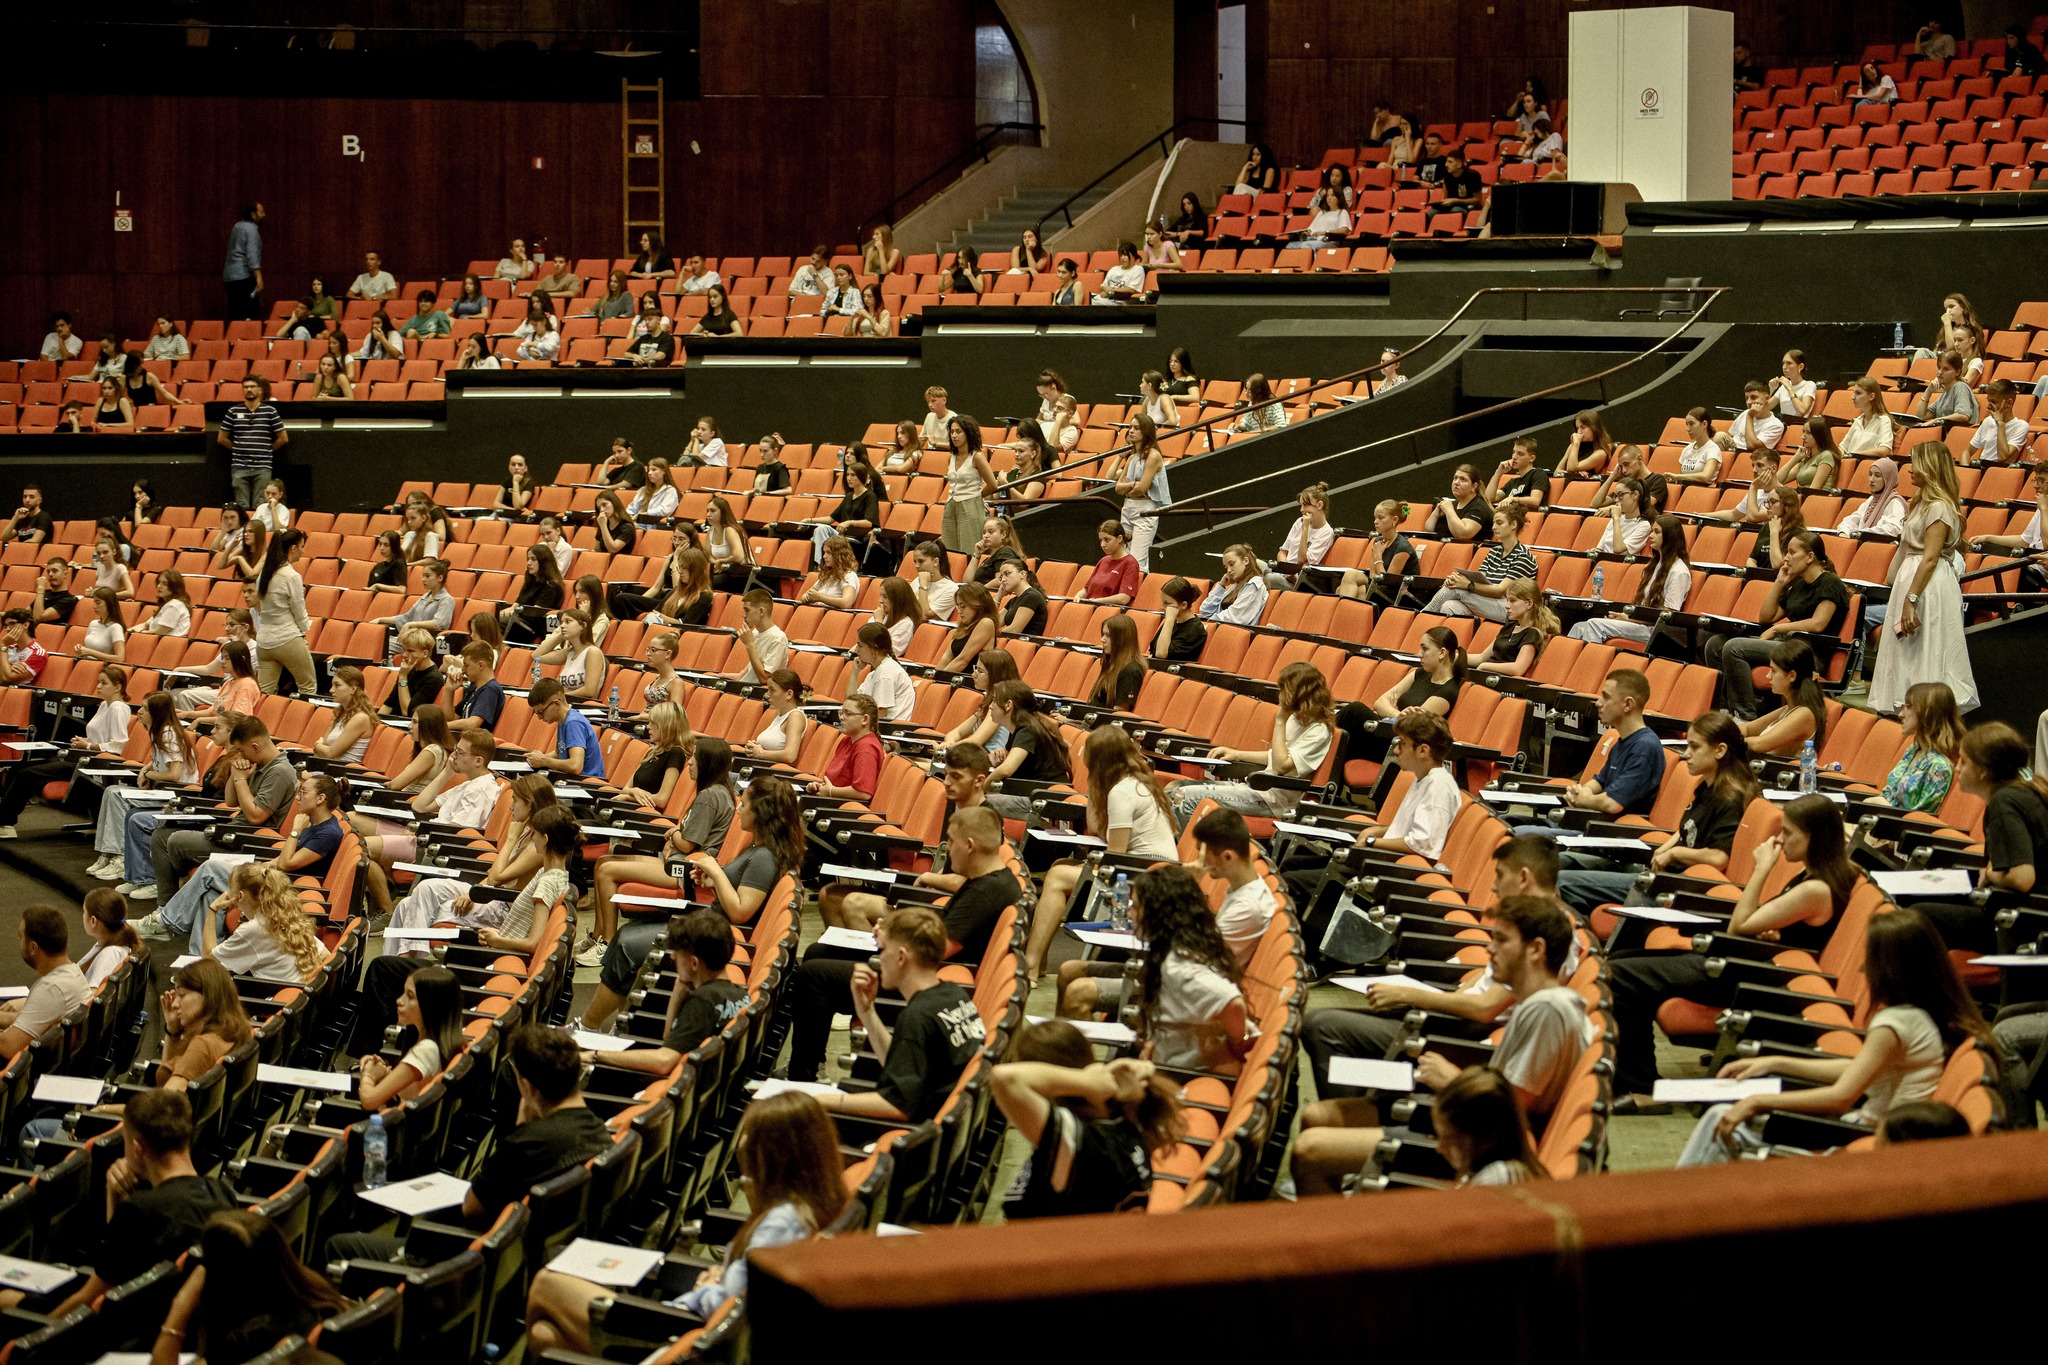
x: 1153, y: 192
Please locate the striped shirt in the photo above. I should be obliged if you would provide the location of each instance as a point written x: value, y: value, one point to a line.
x: 1501, y: 565
x: 253, y: 434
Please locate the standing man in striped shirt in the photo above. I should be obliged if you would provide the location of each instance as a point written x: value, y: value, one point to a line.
x: 252, y: 433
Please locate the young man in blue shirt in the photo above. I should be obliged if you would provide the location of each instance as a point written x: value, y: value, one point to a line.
x: 577, y: 752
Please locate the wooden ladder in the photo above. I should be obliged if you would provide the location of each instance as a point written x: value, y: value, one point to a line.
x: 645, y: 207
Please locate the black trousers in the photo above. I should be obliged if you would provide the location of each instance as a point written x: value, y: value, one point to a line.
x: 242, y: 304
x: 24, y: 781
x: 1640, y: 984
x: 383, y: 982
x: 822, y: 988
x: 1962, y: 924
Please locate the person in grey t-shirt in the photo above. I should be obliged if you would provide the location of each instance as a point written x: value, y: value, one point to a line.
x: 260, y: 786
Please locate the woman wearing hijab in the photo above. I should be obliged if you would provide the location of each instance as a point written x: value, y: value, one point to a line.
x: 1884, y: 512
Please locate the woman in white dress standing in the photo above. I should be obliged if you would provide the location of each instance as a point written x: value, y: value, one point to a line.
x: 1924, y: 629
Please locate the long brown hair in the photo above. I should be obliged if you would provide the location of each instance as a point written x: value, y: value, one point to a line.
x: 253, y: 1272
x: 693, y: 580
x: 1827, y: 845
x: 1156, y: 1113
x: 1026, y: 713
x: 1305, y: 694
x: 160, y: 714
x: 1732, y: 778
x: 1111, y: 755
x: 1937, y: 724
x: 788, y: 1152
x: 1120, y: 654
x: 778, y: 821
x: 1997, y: 751
x: 899, y: 602
x: 225, y: 1017
x: 110, y: 908
x: 1907, y: 963
x: 1479, y: 1106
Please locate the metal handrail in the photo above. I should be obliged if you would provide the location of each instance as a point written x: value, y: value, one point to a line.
x: 1163, y: 140
x: 978, y: 149
x: 1198, y: 506
x: 1207, y: 424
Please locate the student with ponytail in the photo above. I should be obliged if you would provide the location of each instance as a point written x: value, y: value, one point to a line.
x: 1388, y: 562
x: 1802, y: 711
x: 1664, y: 587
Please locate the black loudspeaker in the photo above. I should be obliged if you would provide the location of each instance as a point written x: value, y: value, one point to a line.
x: 1557, y: 208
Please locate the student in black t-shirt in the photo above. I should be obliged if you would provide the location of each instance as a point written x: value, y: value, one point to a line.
x: 1389, y: 559
x: 1037, y: 753
x: 2015, y: 832
x: 1093, y: 1126
x: 1434, y: 686
x: 1025, y: 612
x: 1807, y: 596
x: 1461, y: 514
x: 1518, y: 480
x: 54, y: 598
x: 156, y: 1200
x: 555, y: 1130
x: 703, y: 1002
x: 1182, y: 634
x: 1461, y: 184
x: 936, y: 1034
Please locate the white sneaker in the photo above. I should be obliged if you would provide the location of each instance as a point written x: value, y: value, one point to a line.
x: 112, y: 870
x: 153, y: 926
x: 593, y: 955
x: 97, y: 866
x: 6, y: 831
x: 144, y: 892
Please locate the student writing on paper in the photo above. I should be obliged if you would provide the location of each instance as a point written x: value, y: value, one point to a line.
x: 1524, y: 866
x: 965, y: 779
x: 703, y: 828
x: 1127, y: 809
x: 1092, y: 1126
x: 771, y: 818
x: 704, y: 1000
x: 59, y: 986
x: 1544, y: 1039
x: 788, y: 1154
x: 1717, y: 759
x: 824, y: 984
x: 2015, y: 831
x: 553, y: 1130
x: 1481, y: 1132
x: 1920, y: 1014
x: 1798, y: 914
x: 156, y: 1199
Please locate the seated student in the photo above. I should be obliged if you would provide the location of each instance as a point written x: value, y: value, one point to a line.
x: 1627, y: 782
x: 1947, y: 400
x: 1753, y: 506
x: 1127, y: 809
x: 879, y: 676
x: 113, y: 938
x: 1310, y: 538
x: 979, y: 625
x: 1756, y: 427
x: 1390, y: 558
x: 772, y: 820
x: 1517, y: 480
x: 58, y: 987
x: 1120, y: 675
x: 105, y: 733
x: 577, y: 752
x: 1191, y: 1014
x: 1092, y: 1126
x: 203, y: 1022
x: 1181, y: 636
x: 156, y: 1199
x: 1115, y: 578
x: 935, y: 591
x: 787, y: 1151
x: 1801, y: 915
x: 1530, y: 626
x: 1920, y: 1014
x: 854, y: 517
x: 1665, y: 586
x: 1525, y: 865
x: 1462, y: 514
x: 1717, y: 757
x: 1239, y: 595
x: 1631, y: 464
x: 703, y: 829
x: 260, y: 1296
x: 1700, y: 458
x: 974, y: 852
x: 461, y: 794
x: 898, y: 614
x: 1303, y: 730
x: 965, y: 779
x: 1547, y: 1032
x: 481, y: 699
x: 1808, y: 597
x: 275, y: 939
x: 1933, y: 729
x: 837, y: 582
x: 554, y: 1131
x: 1628, y: 519
x: 1422, y: 744
x: 430, y: 1005
x: 1481, y: 1132
x: 1024, y: 610
x: 1590, y: 446
x: 307, y: 851
x: 935, y: 1034
x: 1801, y: 714
x: 2002, y: 438
x: 1248, y: 905
x: 1035, y: 752
x: 1433, y: 687
x: 856, y: 764
x: 1993, y: 767
x: 1817, y: 466
x: 1883, y: 513
x: 1924, y: 1121
x: 703, y: 1002
x: 1483, y: 593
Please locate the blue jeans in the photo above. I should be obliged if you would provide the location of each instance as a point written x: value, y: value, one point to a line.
x: 1237, y: 796
x: 1705, y: 1148
x: 1586, y: 891
x: 135, y: 864
x: 183, y: 911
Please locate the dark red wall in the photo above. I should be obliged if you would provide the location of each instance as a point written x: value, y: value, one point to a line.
x: 1314, y: 67
x: 814, y: 114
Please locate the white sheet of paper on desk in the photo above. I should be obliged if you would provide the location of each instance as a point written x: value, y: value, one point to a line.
x: 33, y: 1276
x: 510, y: 765
x: 604, y: 1042
x: 602, y: 1263
x: 565, y: 792
x: 1109, y: 938
x: 142, y: 1357
x: 1713, y: 1090
x: 1321, y: 833
x: 1202, y: 761
x: 187, y: 818
x: 1055, y: 836
x: 859, y: 874
x: 147, y: 794
x: 1364, y: 984
x: 1663, y: 914
x: 1595, y: 841
x: 429, y: 870
x: 304, y: 1077
x: 2009, y: 960
x: 768, y: 1089
x: 1502, y: 797
x: 838, y: 937
x: 440, y: 934
x: 69, y: 1089
x: 32, y: 746
x: 395, y: 814
x: 1924, y: 881
x: 183, y: 961
x: 1784, y: 794
x: 230, y: 859
x: 1096, y: 1030
x: 424, y: 1195
x: 666, y: 902
x: 896, y: 1230
x: 1372, y: 1073
x: 613, y: 831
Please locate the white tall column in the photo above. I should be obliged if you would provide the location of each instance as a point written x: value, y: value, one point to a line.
x: 1653, y: 100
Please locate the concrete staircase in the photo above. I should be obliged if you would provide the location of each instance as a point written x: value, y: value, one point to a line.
x: 1001, y: 229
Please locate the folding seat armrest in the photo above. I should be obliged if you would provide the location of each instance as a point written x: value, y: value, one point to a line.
x: 1460, y: 1052
x: 428, y: 1242
x: 1748, y: 970
x: 1717, y: 944
x: 720, y: 1226
x: 1810, y: 1132
x: 627, y: 1318
x: 618, y: 1081
x: 1613, y: 829
x: 1764, y: 997
x: 261, y: 1177
x: 861, y: 1131
x: 360, y: 1279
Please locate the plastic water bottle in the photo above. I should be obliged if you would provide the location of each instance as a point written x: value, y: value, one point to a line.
x: 612, y: 712
x: 1599, y: 579
x: 376, y: 1149
x: 1898, y: 336
x: 536, y: 673
x: 1120, y: 904
x: 1809, y: 768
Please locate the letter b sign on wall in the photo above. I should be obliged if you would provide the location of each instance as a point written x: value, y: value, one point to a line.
x: 351, y: 145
